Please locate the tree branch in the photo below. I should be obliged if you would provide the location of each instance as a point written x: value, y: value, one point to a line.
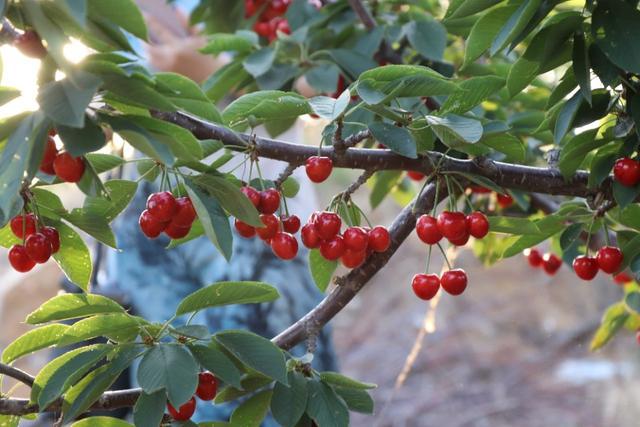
x: 363, y: 13
x: 17, y: 374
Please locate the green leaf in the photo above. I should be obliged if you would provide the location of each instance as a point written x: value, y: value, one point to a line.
x: 485, y: 30
x: 170, y: 367
x: 288, y: 404
x: 225, y: 80
x: 353, y: 62
x: 180, y: 141
x: 514, y: 25
x: 472, y: 92
x: 187, y: 96
x: 265, y: 105
x: 142, y: 140
x: 80, y: 141
x: 325, y: 407
x: 356, y: 400
x: 321, y: 269
x: 570, y: 235
x: 566, y: 117
x: 339, y: 380
x: 226, y: 293
x: 7, y: 94
x: 616, y: 24
x: 581, y: 66
x: 34, y: 340
x: 462, y: 8
x: 65, y: 101
x: 250, y: 383
x: 454, y: 130
x: 251, y: 412
x: 256, y: 352
x: 632, y: 301
x: 121, y: 193
x: 428, y: 37
x: 104, y: 162
x: 512, y: 146
x: 72, y: 306
x: 624, y: 195
x: 548, y: 226
x: 101, y: 421
x: 384, y: 182
x: 98, y: 326
x: 576, y: 149
x: 123, y: 13
x: 330, y: 108
x: 73, y: 258
x: 396, y: 138
x: 260, y: 61
x: 216, y: 361
x: 221, y: 42
x: 564, y: 88
x: 612, y: 320
x: 408, y: 80
x: 149, y: 408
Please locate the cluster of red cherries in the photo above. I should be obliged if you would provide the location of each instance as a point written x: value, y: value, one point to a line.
x: 168, y: 214
x: 608, y: 259
x: 207, y: 390
x: 270, y: 20
x: 63, y: 165
x: 627, y: 171
x: 38, y: 243
x: 549, y: 262
x: 504, y: 200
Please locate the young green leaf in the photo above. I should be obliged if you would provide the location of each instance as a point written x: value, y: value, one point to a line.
x: 97, y: 326
x: 339, y: 380
x: 398, y: 139
x: 288, y: 404
x: 225, y: 293
x: 33, y: 340
x: 149, y: 408
x: 72, y: 306
x: 73, y: 258
x: 321, y: 269
x: 613, y: 319
x: 251, y: 412
x: 325, y: 407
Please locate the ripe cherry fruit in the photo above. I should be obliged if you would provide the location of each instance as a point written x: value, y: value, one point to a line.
x: 310, y: 237
x: 252, y: 194
x: 533, y: 256
x: 19, y: 259
x: 415, y: 175
x: 461, y: 241
x: 50, y: 153
x: 21, y: 230
x: 425, y: 286
x: 185, y: 213
x: 269, y: 201
x: 477, y: 224
x: 551, y: 263
x: 327, y: 224
x: 427, y: 229
x: 53, y: 236
x: 379, y: 239
x: 30, y: 44
x: 356, y: 239
x: 175, y: 231
x: 504, y: 200
x: 38, y: 248
x: 291, y: 224
x: 454, y: 281
x: 162, y: 206
x: 622, y: 278
x: 318, y: 168
x: 353, y: 259
x: 284, y: 245
x: 627, y: 171
x: 207, y: 386
x: 609, y: 259
x: 586, y: 267
x: 150, y: 225
x: 244, y: 229
x: 184, y: 412
x: 68, y: 168
x: 271, y: 226
x: 333, y: 248
x: 452, y: 225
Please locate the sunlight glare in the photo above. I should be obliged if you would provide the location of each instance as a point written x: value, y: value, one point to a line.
x: 19, y: 72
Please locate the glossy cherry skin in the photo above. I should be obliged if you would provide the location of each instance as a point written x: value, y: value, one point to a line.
x: 332, y: 249
x: 207, y: 386
x: 627, y: 171
x: 28, y: 228
x: 353, y: 259
x: 30, y: 44
x: 452, y: 225
x: 176, y: 231
x: 585, y: 267
x: 245, y: 230
x: 609, y: 259
x: 150, y: 225
x: 504, y: 200
x: 162, y: 206
x: 425, y: 286
x: 53, y: 236
x: 622, y: 278
x: 269, y: 201
x: 185, y: 412
x: 477, y: 224
x: 284, y: 245
x: 454, y: 281
x: 327, y: 224
x: 252, y: 194
x: 551, y: 263
x: 379, y: 239
x: 68, y: 168
x: 50, y: 153
x: 291, y: 224
x: 271, y: 226
x: 415, y: 175
x: 310, y: 237
x: 533, y: 256
x: 318, y: 168
x: 427, y: 230
x: 461, y: 241
x: 356, y: 239
x: 38, y: 248
x: 185, y: 213
x: 20, y: 260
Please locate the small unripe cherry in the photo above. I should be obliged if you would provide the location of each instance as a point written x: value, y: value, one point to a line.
x: 245, y: 230
x: 53, y: 236
x: 269, y: 201
x: 609, y: 259
x: 185, y: 213
x: 333, y: 248
x: 284, y: 245
x: 327, y: 224
x: 68, y: 168
x: 20, y: 260
x: 271, y: 226
x: 252, y: 194
x: 207, y: 386
x: 533, y: 256
x: 310, y: 237
x: 425, y: 286
x: 627, y: 171
x: 353, y: 259
x: 427, y: 230
x: 38, y: 248
x: 29, y: 226
x: 355, y: 239
x: 184, y: 412
x: 49, y: 156
x: 454, y: 281
x: 150, y: 225
x: 379, y: 239
x: 162, y: 206
x: 477, y: 224
x: 318, y: 168
x: 551, y: 263
x: 291, y: 224
x: 586, y: 267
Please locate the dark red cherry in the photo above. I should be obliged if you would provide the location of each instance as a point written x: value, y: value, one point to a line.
x: 271, y: 226
x: 504, y: 200
x: 30, y: 44
x: 533, y: 256
x: 415, y: 175
x: 353, y: 259
x: 291, y: 224
x: 425, y: 286
x: 609, y: 259
x: 38, y: 248
x: 50, y: 153
x: 586, y: 267
x: 333, y: 248
x: 185, y: 213
x: 318, y: 168
x: 269, y: 201
x: 452, y: 225
x: 427, y: 230
x: 477, y: 224
x: 150, y: 225
x: 68, y: 168
x: 284, y: 245
x: 454, y: 281
x: 356, y: 239
x: 379, y: 239
x: 327, y: 224
x: 622, y: 278
x: 53, y: 236
x: 245, y: 230
x: 176, y: 231
x: 252, y: 194
x: 162, y: 206
x: 551, y: 263
x: 207, y: 386
x: 22, y: 230
x: 184, y: 412
x: 310, y: 236
x: 627, y: 171
x: 20, y: 260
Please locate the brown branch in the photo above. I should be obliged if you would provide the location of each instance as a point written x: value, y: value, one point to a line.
x: 17, y: 374
x: 363, y: 13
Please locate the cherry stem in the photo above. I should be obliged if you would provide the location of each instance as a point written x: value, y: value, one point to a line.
x: 364, y: 215
x: 593, y: 220
x: 429, y: 258
x: 435, y: 200
x: 452, y: 206
x: 260, y: 175
x: 444, y: 254
x: 606, y: 232
x: 141, y: 177
x: 464, y: 194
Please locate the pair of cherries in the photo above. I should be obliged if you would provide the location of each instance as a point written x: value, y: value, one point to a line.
x: 504, y: 200
x: 168, y: 214
x: 608, y: 259
x: 270, y: 20
x: 549, y: 262
x: 39, y: 243
x: 454, y: 226
x: 352, y: 247
x: 63, y: 165
x: 627, y: 171
x: 207, y: 389
x: 278, y: 233
x: 426, y: 286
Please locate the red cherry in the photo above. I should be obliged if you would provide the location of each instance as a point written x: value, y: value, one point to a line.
x: 68, y: 168
x: 454, y: 281
x: 353, y: 259
x: 176, y: 231
x: 461, y: 241
x: 310, y: 237
x: 262, y: 28
x: 425, y: 286
x: 355, y: 239
x: 207, y: 386
x: 318, y: 168
x: 185, y: 213
x: 162, y: 206
x: 327, y: 224
x: 245, y: 230
x: 627, y: 171
x: 29, y: 226
x: 332, y: 249
x: 269, y: 201
x: 38, y: 248
x: 284, y: 246
x: 53, y: 236
x: 50, y: 153
x: 622, y: 278
x: 291, y: 224
x: 271, y: 226
x: 585, y: 267
x: 609, y: 259
x: 638, y: 337
x: 415, y: 175
x: 478, y: 189
x: 30, y: 44
x: 252, y: 194
x: 551, y: 263
x: 20, y: 260
x: 478, y: 224
x: 185, y: 412
x: 533, y: 256
x: 427, y: 229
x: 504, y: 200
x: 379, y: 239
x: 150, y: 226
x: 452, y: 225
